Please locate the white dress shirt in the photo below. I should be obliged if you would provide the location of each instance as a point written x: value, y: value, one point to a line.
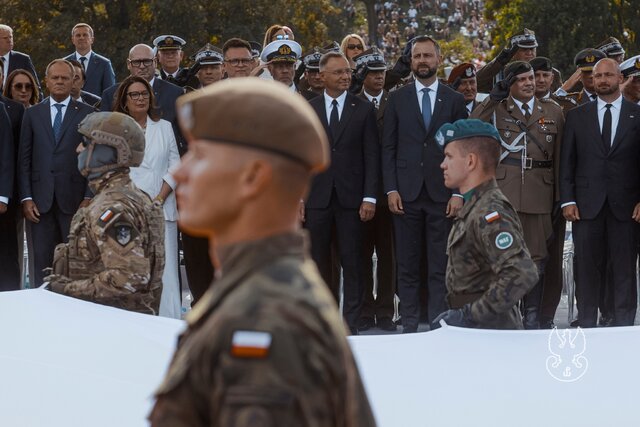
x: 520, y: 104
x: 328, y: 104
x: 432, y: 94
x: 54, y: 110
x: 86, y: 63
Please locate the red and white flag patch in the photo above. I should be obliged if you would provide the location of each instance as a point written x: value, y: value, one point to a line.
x: 106, y: 216
x: 250, y: 344
x: 492, y: 217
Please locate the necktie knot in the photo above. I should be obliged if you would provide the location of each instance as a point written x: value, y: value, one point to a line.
x: 59, y: 107
x: 608, y: 106
x: 334, y: 103
x: 593, y: 96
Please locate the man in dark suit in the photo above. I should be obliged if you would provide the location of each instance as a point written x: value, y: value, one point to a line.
x: 51, y: 187
x: 378, y: 233
x: 11, y: 59
x: 600, y: 193
x: 10, y: 243
x: 78, y: 82
x: 98, y: 69
x: 344, y: 195
x: 421, y: 204
x: 142, y: 63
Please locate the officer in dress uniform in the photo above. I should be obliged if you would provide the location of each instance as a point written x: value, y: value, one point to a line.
x: 544, y: 75
x: 489, y: 267
x: 311, y: 67
x: 631, y: 72
x: 463, y: 79
x: 612, y: 47
x: 170, y: 54
x: 522, y: 47
x: 207, y: 66
x: 584, y: 61
x: 281, y: 57
x: 371, y: 68
x: 266, y: 345
x: 115, y: 254
x: 531, y: 132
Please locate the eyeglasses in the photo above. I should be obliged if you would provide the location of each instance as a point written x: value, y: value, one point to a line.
x: 355, y: 46
x: 23, y: 86
x: 136, y: 95
x: 282, y: 37
x: 340, y: 72
x: 239, y: 61
x: 140, y: 62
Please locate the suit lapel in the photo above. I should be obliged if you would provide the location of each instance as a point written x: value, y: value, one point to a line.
x: 347, y: 111
x: 47, y: 120
x: 624, y: 122
x: 437, y: 108
x: 416, y: 105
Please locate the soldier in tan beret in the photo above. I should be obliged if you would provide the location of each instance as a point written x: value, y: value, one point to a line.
x: 266, y: 345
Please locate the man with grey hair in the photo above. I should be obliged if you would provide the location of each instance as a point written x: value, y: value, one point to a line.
x: 142, y: 63
x: 50, y: 186
x: 12, y: 60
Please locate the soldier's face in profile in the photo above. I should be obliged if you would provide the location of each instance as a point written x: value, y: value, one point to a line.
x: 208, y: 192
x: 454, y: 166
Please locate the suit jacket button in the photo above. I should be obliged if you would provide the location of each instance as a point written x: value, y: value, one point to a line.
x: 425, y: 144
x: 333, y: 149
x: 421, y: 164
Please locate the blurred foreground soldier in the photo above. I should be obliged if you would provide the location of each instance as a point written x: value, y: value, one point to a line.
x: 531, y: 132
x: 463, y: 80
x: 489, y: 268
x: 280, y: 57
x: 266, y: 345
x: 612, y: 48
x: 584, y: 61
x: 115, y: 254
x: 522, y: 47
x: 631, y: 72
x: 543, y: 72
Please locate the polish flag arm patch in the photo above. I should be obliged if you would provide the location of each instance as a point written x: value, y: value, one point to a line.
x: 492, y: 217
x: 250, y: 344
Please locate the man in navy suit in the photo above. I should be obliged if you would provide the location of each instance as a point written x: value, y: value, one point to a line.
x: 98, y: 70
x: 600, y: 193
x: 344, y: 196
x: 51, y: 187
x: 142, y: 63
x: 11, y: 59
x: 10, y: 245
x: 421, y: 204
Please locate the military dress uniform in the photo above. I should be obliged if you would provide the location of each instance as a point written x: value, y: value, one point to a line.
x: 115, y: 254
x: 256, y: 346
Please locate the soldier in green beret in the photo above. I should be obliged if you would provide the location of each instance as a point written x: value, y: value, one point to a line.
x: 489, y: 268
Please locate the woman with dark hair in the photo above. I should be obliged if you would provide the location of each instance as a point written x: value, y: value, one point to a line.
x: 135, y: 98
x: 21, y: 87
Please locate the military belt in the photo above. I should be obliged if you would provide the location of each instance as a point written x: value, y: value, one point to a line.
x: 528, y: 163
x: 459, y: 301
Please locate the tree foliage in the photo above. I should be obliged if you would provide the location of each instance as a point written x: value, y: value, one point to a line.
x: 565, y: 27
x: 42, y: 28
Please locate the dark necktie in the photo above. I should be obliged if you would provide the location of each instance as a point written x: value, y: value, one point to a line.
x: 57, y: 121
x: 375, y: 102
x: 334, y: 119
x: 426, y: 108
x: 82, y: 61
x: 594, y: 97
x: 606, y: 128
x: 527, y: 113
x: 3, y: 74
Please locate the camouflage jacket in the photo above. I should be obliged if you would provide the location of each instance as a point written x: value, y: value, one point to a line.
x: 488, y: 257
x: 265, y: 346
x: 115, y: 254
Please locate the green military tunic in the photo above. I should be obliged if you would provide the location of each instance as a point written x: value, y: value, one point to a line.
x: 265, y: 346
x: 115, y: 254
x: 489, y: 265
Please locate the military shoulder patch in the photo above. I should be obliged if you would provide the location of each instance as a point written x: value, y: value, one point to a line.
x: 122, y: 232
x: 504, y: 240
x: 250, y: 344
x: 492, y: 217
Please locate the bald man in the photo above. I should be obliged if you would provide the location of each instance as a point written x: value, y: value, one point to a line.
x: 266, y: 345
x: 600, y: 193
x: 142, y: 63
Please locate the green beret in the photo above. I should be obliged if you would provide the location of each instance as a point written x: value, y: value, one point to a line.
x: 465, y: 128
x: 517, y: 67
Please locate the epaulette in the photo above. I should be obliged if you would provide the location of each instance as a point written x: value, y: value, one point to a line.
x: 568, y: 99
x: 548, y: 100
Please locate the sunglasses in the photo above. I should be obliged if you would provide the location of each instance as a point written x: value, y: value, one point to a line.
x: 355, y: 46
x: 23, y: 86
x: 282, y: 37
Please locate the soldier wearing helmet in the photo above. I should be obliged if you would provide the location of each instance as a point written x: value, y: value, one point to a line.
x: 115, y: 254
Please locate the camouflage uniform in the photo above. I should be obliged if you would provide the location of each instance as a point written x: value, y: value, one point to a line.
x: 489, y: 264
x: 115, y: 254
x: 264, y: 347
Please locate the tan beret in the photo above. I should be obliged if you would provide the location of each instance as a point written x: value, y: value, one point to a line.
x: 256, y: 113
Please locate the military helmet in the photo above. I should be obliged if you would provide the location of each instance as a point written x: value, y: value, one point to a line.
x: 116, y: 130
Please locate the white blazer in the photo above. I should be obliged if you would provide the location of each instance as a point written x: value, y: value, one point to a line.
x: 160, y: 159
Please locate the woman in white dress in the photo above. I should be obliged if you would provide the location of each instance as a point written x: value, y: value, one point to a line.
x: 135, y: 98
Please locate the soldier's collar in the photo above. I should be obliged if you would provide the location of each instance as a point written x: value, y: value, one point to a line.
x: 475, y: 194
